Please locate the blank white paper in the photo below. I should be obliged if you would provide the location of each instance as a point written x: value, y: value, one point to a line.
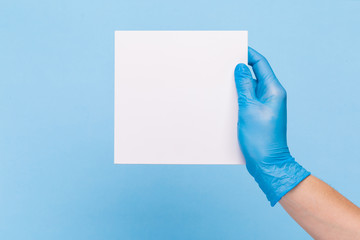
x: 175, y: 96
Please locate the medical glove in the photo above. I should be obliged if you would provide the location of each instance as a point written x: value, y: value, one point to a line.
x: 262, y: 129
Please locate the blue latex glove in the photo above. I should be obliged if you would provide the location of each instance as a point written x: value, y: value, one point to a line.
x: 262, y: 129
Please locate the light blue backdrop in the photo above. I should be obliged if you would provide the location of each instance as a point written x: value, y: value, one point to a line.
x: 57, y: 177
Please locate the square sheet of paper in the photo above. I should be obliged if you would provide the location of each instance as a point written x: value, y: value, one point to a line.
x: 175, y: 96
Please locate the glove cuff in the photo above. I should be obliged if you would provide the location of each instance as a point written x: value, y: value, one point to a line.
x: 277, y: 180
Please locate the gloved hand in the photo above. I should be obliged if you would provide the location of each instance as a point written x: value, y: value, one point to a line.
x: 262, y: 129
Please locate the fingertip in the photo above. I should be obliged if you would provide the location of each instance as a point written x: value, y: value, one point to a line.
x: 245, y: 84
x: 253, y: 56
x: 241, y: 70
x: 240, y: 67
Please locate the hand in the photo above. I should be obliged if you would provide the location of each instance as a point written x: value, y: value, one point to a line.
x: 262, y: 129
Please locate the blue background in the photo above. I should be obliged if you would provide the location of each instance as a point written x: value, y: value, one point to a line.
x: 57, y: 177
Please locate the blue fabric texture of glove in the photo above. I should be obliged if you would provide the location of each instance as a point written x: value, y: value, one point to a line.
x: 262, y: 129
